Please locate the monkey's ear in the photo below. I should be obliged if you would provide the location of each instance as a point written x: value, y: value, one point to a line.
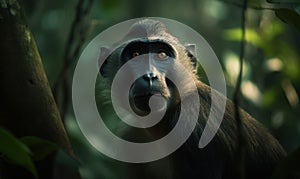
x: 192, y: 54
x: 104, y: 53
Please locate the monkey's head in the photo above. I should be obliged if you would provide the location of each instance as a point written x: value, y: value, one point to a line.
x: 149, y: 53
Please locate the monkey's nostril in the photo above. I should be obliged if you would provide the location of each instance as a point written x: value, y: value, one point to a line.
x: 149, y: 77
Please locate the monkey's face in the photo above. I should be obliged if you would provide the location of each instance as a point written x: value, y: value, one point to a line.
x: 149, y: 64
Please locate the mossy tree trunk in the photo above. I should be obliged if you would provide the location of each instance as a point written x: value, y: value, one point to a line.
x: 27, y: 107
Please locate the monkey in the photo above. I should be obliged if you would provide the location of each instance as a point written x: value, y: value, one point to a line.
x: 150, y: 40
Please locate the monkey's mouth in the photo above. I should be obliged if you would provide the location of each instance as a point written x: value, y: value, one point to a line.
x: 140, y: 103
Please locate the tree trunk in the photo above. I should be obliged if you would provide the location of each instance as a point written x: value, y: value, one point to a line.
x: 27, y: 106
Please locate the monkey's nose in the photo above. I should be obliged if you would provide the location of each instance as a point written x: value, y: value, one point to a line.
x: 149, y: 77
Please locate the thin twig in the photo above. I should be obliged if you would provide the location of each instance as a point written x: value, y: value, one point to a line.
x: 241, y: 140
x: 70, y: 55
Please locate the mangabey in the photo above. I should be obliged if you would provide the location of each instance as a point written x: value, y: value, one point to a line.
x: 149, y: 39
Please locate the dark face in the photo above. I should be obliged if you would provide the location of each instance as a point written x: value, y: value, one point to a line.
x: 152, y: 58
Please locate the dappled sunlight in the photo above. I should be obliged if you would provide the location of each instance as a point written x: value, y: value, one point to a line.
x: 251, y: 92
x: 232, y: 67
x: 290, y: 93
x: 274, y: 64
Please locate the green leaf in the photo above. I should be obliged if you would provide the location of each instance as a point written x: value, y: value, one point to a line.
x: 109, y: 4
x: 251, y: 36
x: 255, y: 3
x: 288, y: 16
x: 40, y: 148
x: 16, y: 152
x: 270, y: 31
x: 269, y: 97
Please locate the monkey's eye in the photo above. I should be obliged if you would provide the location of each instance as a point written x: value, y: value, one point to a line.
x: 162, y: 55
x: 135, y: 54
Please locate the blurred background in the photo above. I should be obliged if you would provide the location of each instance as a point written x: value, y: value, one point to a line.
x: 271, y: 78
